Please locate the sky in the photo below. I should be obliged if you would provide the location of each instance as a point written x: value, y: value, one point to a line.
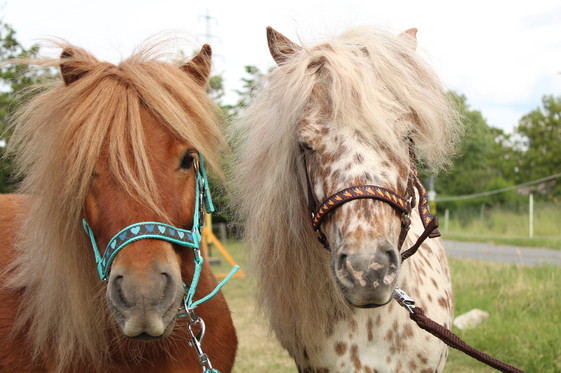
x: 504, y: 56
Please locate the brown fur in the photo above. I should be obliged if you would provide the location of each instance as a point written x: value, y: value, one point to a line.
x: 54, y: 315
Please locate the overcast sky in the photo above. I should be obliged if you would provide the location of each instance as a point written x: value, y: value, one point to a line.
x: 503, y: 55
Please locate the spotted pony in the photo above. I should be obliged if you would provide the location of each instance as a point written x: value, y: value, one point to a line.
x: 358, y: 110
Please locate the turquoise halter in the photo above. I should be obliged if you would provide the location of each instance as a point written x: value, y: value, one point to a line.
x: 188, y: 238
x: 138, y: 231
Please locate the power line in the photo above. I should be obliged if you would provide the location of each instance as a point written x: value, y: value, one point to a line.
x: 501, y: 190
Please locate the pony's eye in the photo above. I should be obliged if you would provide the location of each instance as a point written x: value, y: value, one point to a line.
x: 305, y: 145
x: 187, y: 161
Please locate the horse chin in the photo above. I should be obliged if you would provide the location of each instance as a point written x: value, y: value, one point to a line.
x: 373, y: 300
x: 145, y: 337
x: 366, y: 297
x: 144, y: 328
x: 370, y: 305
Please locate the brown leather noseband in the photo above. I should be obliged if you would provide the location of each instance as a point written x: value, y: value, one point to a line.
x: 403, y: 206
x: 400, y: 204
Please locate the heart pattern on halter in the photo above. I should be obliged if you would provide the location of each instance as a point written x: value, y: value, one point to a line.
x: 158, y: 230
x: 137, y: 232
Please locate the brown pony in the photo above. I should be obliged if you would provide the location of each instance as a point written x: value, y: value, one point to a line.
x: 116, y: 145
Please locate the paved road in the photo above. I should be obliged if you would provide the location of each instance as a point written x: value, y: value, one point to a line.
x: 502, y: 253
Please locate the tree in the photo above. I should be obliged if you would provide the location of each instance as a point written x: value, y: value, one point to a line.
x: 472, y: 169
x: 14, y: 81
x: 248, y: 89
x: 217, y: 92
x: 541, y: 140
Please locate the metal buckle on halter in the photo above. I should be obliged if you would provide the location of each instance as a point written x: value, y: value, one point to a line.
x: 201, y: 196
x: 406, y: 216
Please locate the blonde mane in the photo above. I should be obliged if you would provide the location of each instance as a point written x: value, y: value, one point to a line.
x: 373, y: 81
x: 57, y: 139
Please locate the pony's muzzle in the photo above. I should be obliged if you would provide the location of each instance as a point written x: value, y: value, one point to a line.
x: 367, y: 279
x: 145, y: 303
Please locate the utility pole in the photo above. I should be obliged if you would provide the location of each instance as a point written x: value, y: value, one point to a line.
x: 208, y: 19
x: 212, y: 40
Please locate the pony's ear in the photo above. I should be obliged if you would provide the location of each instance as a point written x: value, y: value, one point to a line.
x: 199, y: 67
x: 280, y: 46
x: 70, y: 73
x: 411, y: 36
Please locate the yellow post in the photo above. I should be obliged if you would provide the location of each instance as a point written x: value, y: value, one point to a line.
x: 207, y: 236
x: 204, y: 236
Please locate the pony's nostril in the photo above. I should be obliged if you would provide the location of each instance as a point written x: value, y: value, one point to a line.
x: 168, y: 285
x: 344, y: 271
x: 116, y: 292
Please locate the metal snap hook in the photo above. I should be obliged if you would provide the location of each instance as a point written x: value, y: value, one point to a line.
x: 404, y: 299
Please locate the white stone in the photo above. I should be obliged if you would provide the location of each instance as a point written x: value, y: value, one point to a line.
x: 470, y: 319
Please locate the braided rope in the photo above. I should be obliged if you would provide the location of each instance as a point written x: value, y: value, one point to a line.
x: 454, y: 341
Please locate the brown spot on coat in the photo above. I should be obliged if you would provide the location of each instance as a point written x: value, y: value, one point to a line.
x: 358, y: 158
x: 422, y: 359
x: 340, y: 348
x: 408, y: 330
x: 434, y: 282
x: 412, y: 365
x: 355, y: 357
x: 369, y: 331
x: 443, y: 302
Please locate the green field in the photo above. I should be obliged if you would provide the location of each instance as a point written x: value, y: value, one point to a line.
x: 524, y: 327
x: 505, y: 225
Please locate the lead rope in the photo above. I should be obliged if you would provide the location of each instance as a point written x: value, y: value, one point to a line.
x: 417, y: 314
x: 445, y: 335
x: 431, y: 231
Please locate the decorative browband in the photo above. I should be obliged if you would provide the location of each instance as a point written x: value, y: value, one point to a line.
x: 359, y: 192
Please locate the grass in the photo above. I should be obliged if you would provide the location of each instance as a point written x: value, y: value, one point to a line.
x: 258, y: 349
x: 536, y: 242
x: 524, y: 327
x: 505, y: 225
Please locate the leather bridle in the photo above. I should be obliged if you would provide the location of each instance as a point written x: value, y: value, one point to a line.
x: 403, y: 205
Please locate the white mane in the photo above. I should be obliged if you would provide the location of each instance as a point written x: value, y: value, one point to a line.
x: 367, y: 76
